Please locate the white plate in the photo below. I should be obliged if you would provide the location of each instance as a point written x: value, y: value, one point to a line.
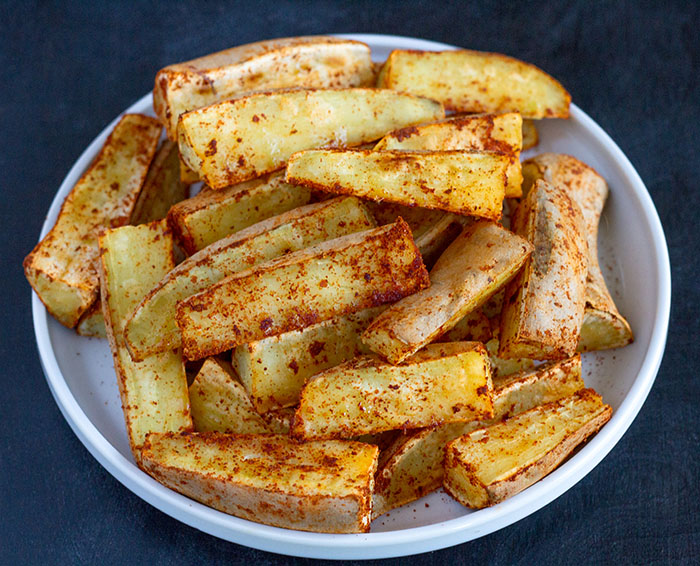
x: 634, y: 254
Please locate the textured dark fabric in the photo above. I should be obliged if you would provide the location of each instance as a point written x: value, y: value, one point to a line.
x: 70, y: 68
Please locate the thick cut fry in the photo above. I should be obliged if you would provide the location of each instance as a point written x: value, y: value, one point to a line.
x: 530, y: 135
x: 543, y: 306
x: 411, y: 466
x: 492, y: 464
x: 212, y: 215
x: 603, y: 326
x: 152, y: 327
x: 333, y: 278
x: 435, y: 240
x: 92, y: 323
x: 240, y: 139
x: 220, y: 404
x: 154, y: 391
x: 479, y: 132
x: 474, y: 326
x: 443, y: 383
x: 273, y: 370
x: 309, y: 62
x: 472, y: 81
x: 502, y: 367
x: 463, y: 182
x: 61, y: 268
x: 317, y: 486
x: 482, y: 259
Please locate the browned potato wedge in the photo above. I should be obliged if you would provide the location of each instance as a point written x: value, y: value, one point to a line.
x: 61, y: 268
x: 530, y: 135
x: 212, y: 215
x: 419, y: 220
x: 482, y: 259
x: 492, y: 464
x: 479, y: 132
x: 603, y: 326
x: 280, y: 421
x: 333, y: 278
x: 472, y: 326
x: 187, y: 176
x: 411, y: 466
x: 463, y: 182
x: 318, y: 486
x: 152, y: 326
x: 435, y: 240
x: 443, y: 383
x: 92, y: 323
x: 310, y: 62
x: 543, y: 306
x: 502, y: 367
x: 153, y: 391
x: 472, y: 81
x: 240, y: 139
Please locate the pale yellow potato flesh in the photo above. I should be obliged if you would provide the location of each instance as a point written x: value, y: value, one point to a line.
x: 92, y: 323
x: 152, y: 327
x: 61, y: 268
x: 603, y: 325
x: 317, y: 486
x: 481, y: 260
x: 308, y: 62
x: 463, y: 182
x: 411, y: 466
x: 240, y: 139
x: 212, y: 215
x: 473, y: 326
x: 473, y: 81
x: 531, y: 136
x: 219, y: 403
x: 336, y: 277
x: 273, y: 370
x: 480, y: 132
x: 543, y: 306
x: 442, y: 383
x: 492, y: 464
x: 154, y: 391
x: 502, y: 366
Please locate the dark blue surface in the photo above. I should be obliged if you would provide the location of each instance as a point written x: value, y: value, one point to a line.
x: 70, y: 69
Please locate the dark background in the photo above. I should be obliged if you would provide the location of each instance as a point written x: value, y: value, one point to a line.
x: 69, y: 69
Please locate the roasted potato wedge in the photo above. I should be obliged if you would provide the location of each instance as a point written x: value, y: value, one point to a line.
x: 437, y: 238
x: 473, y: 81
x: 92, y: 323
x: 474, y: 326
x: 419, y: 220
x: 240, y: 139
x: 530, y: 135
x: 501, y: 366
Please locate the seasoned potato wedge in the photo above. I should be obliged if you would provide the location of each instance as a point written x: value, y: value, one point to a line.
x: 411, y: 466
x: 187, y: 176
x: 603, y: 325
x: 482, y: 259
x: 436, y: 239
x: 212, y: 215
x: 92, y: 323
x: 543, y: 306
x: 530, y: 135
x: 333, y: 278
x: 472, y: 81
x: 61, y: 268
x: 153, y: 391
x: 463, y: 182
x: 152, y: 326
x: 273, y: 370
x: 502, y: 367
x: 480, y: 132
x: 491, y: 464
x: 318, y: 486
x: 419, y: 220
x: 219, y: 402
x: 310, y: 62
x: 473, y: 326
x: 240, y: 139
x: 443, y: 383
x: 280, y: 420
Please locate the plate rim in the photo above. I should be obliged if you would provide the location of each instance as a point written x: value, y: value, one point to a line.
x: 402, y: 542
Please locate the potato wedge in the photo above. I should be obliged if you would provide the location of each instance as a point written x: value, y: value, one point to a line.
x: 280, y: 420
x: 492, y: 464
x: 482, y: 259
x: 187, y: 176
x: 310, y: 62
x: 480, y: 132
x: 411, y: 466
x: 470, y: 183
x: 240, y: 139
x: 92, y: 323
x: 530, y: 135
x: 61, y: 268
x: 333, y: 278
x: 603, y: 325
x: 437, y: 238
x: 473, y: 81
x: 543, y: 306
x: 502, y: 367
x: 154, y: 391
x: 274, y: 370
x: 212, y: 215
x: 443, y: 383
x: 318, y: 486
x: 152, y: 326
x: 419, y: 220
x: 219, y: 403
x: 473, y: 326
